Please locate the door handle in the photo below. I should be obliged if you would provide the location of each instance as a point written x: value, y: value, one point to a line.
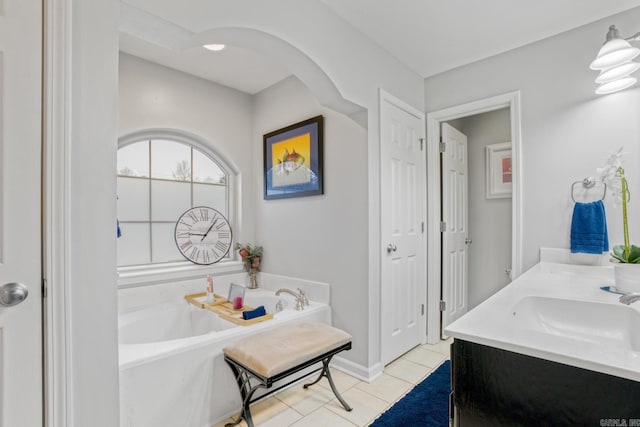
x: 468, y: 241
x: 12, y: 294
x: 391, y: 248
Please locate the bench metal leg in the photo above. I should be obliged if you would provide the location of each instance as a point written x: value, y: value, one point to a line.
x: 326, y: 373
x: 246, y: 392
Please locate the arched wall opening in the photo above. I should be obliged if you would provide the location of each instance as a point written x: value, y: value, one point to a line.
x: 298, y: 62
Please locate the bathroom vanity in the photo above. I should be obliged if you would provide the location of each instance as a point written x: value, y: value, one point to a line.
x: 550, y: 349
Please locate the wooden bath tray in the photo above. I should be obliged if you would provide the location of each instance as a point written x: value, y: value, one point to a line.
x: 199, y: 300
x: 224, y: 308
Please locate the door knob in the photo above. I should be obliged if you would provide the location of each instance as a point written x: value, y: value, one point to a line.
x: 468, y: 241
x: 391, y: 248
x: 12, y: 294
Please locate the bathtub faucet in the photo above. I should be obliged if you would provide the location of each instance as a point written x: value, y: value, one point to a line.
x: 300, y: 297
x: 630, y: 298
x: 303, y: 297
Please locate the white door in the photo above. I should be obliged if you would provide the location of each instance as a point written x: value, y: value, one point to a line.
x: 20, y: 241
x: 455, y: 212
x: 402, y: 255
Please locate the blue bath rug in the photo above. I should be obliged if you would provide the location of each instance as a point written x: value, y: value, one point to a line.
x: 426, y: 405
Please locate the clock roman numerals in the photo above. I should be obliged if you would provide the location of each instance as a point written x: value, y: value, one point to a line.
x: 182, y: 222
x: 224, y: 235
x: 222, y: 247
x: 193, y: 216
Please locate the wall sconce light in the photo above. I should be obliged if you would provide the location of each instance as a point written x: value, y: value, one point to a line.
x: 614, y: 61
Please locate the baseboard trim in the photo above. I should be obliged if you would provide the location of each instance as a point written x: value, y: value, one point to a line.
x: 356, y: 370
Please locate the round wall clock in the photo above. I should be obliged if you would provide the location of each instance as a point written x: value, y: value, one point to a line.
x: 203, y: 235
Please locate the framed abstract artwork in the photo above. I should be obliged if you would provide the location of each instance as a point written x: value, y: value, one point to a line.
x: 499, y: 173
x: 293, y: 160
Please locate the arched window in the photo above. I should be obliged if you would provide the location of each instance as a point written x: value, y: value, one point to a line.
x: 159, y: 178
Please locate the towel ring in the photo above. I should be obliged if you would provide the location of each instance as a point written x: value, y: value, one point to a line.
x: 588, y: 182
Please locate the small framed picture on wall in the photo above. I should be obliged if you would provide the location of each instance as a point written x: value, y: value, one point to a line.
x: 499, y: 172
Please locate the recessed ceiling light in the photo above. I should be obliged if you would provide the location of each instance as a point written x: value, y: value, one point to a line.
x: 214, y: 47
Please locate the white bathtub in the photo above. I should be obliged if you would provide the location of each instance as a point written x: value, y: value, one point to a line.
x: 172, y: 372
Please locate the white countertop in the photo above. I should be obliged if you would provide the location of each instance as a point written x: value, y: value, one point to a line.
x: 559, y: 313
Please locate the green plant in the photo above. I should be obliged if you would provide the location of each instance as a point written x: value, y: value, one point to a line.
x: 613, y: 175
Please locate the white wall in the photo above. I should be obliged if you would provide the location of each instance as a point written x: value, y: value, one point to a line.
x: 567, y: 131
x: 88, y: 207
x: 321, y: 238
x: 489, y: 219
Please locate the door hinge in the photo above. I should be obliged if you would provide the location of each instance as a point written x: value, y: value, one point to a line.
x: 422, y: 227
x: 443, y: 147
x: 443, y: 226
x: 422, y: 309
x: 443, y: 305
x: 44, y: 288
x: 421, y: 144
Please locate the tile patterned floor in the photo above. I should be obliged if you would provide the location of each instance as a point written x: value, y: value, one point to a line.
x: 318, y: 407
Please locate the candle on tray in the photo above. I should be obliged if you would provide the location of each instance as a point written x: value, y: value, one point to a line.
x: 237, y: 303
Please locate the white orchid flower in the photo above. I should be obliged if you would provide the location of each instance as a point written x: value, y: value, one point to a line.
x: 611, y: 174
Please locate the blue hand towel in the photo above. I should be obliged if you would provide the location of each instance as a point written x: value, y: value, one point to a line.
x: 589, y: 228
x: 257, y: 312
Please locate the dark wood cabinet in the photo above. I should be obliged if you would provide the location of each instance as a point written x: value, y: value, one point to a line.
x: 494, y: 387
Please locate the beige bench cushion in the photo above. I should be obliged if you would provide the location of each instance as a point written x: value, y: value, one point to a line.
x: 272, y: 352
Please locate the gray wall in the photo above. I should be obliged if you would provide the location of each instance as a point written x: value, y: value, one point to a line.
x: 567, y: 130
x: 489, y: 219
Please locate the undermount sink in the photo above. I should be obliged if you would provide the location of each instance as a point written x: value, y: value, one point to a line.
x: 599, y: 323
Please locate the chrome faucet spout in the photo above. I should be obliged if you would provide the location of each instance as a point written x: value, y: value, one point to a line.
x: 288, y: 291
x: 630, y: 298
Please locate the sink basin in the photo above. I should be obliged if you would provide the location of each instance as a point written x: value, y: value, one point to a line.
x: 598, y: 323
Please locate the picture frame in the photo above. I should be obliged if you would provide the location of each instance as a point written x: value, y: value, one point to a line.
x: 499, y: 170
x: 293, y: 160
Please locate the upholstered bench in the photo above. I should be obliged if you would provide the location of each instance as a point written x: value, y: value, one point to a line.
x: 261, y: 360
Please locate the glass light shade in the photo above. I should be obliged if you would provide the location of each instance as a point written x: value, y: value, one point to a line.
x: 613, y: 53
x: 616, y: 73
x: 616, y: 85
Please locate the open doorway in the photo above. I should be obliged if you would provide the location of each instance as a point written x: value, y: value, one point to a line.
x: 476, y: 241
x: 474, y: 117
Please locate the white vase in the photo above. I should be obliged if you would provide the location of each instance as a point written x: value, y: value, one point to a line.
x: 627, y: 277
